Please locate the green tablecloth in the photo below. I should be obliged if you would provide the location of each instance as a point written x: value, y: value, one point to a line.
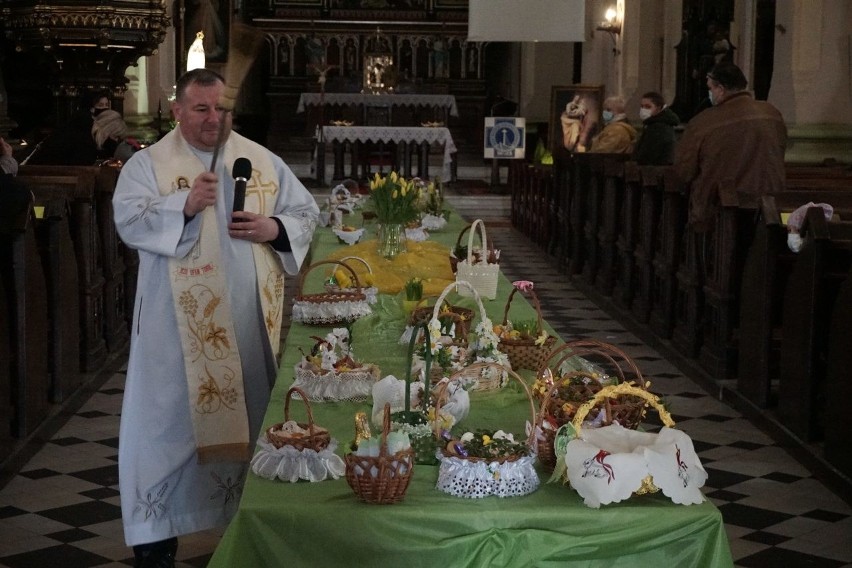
x: 323, y: 524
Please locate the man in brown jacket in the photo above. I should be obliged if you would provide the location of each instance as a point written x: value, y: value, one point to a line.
x: 736, y: 145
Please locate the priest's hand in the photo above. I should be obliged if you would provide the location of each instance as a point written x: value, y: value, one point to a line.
x: 201, y: 194
x: 252, y: 227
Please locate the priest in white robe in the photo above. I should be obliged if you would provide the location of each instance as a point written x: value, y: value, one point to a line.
x: 206, y: 321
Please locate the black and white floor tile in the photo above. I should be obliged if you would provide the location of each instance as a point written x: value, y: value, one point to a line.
x: 62, y: 509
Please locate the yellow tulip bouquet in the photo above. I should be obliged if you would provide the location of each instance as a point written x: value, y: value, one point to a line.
x: 395, y: 199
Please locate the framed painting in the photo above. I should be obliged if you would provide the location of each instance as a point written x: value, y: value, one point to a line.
x: 575, y: 116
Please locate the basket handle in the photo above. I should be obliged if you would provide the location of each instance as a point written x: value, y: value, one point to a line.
x: 586, y: 346
x: 386, y: 422
x: 461, y: 234
x: 335, y: 262
x: 364, y: 262
x: 301, y: 393
x: 613, y: 391
x: 501, y: 368
x: 536, y: 305
x: 454, y: 286
x: 481, y: 225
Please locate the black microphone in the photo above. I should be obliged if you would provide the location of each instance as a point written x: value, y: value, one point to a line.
x: 242, y: 173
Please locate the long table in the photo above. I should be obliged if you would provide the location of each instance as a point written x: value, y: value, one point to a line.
x: 409, y: 138
x: 323, y: 524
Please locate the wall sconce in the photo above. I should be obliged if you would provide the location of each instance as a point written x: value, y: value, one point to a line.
x: 612, y: 26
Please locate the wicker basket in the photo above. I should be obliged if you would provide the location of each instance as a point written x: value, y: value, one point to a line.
x: 461, y: 317
x: 330, y: 308
x: 476, y: 477
x: 317, y: 438
x: 576, y: 387
x: 526, y: 353
x: 454, y: 260
x: 483, y: 379
x: 614, y: 392
x: 482, y: 275
x: 371, y: 292
x: 389, y: 482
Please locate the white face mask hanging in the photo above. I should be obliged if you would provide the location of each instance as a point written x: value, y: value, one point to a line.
x: 794, y: 241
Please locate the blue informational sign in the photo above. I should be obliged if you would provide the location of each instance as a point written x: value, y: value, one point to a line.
x: 505, y: 137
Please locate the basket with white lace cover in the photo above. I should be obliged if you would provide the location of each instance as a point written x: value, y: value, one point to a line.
x: 292, y: 450
x: 609, y: 464
x: 479, y: 463
x: 330, y: 308
x: 334, y: 284
x: 331, y: 373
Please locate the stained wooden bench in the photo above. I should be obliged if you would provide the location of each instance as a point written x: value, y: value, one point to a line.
x: 809, y: 299
x: 77, y: 185
x: 838, y: 420
x: 764, y: 279
x: 25, y: 299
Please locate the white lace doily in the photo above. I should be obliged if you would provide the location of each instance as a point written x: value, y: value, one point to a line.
x: 329, y: 312
x: 355, y: 385
x: 433, y: 222
x: 289, y: 464
x: 349, y: 237
x: 417, y: 234
x: 476, y: 479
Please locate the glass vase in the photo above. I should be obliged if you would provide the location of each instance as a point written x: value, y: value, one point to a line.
x: 391, y: 240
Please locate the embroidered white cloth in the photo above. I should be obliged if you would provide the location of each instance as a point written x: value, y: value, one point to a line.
x: 392, y: 390
x: 409, y: 134
x: 289, y: 464
x: 404, y: 99
x: 606, y: 465
x: 477, y: 479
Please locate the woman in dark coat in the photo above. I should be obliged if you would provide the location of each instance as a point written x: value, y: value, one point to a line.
x: 657, y: 142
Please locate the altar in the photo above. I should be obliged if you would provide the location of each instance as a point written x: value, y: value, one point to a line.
x: 410, y: 141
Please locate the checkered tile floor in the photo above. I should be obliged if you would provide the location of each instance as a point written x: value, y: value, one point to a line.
x: 62, y: 509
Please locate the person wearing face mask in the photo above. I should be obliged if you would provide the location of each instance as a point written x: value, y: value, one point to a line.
x: 657, y: 141
x: 736, y: 145
x: 617, y: 136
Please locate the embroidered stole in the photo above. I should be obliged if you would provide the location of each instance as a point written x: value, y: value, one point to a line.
x: 214, y: 374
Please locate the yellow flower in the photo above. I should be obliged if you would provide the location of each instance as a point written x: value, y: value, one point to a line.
x: 393, y: 176
x: 541, y: 338
x: 394, y: 194
x: 486, y: 439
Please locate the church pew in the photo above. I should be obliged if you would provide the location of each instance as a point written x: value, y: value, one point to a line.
x: 627, y: 230
x: 26, y: 306
x: 809, y: 300
x: 77, y: 185
x: 838, y: 387
x: 580, y: 191
x: 611, y: 202
x: 650, y: 209
x: 589, y: 216
x: 6, y: 409
x: 667, y: 251
x: 764, y: 278
x: 60, y: 267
